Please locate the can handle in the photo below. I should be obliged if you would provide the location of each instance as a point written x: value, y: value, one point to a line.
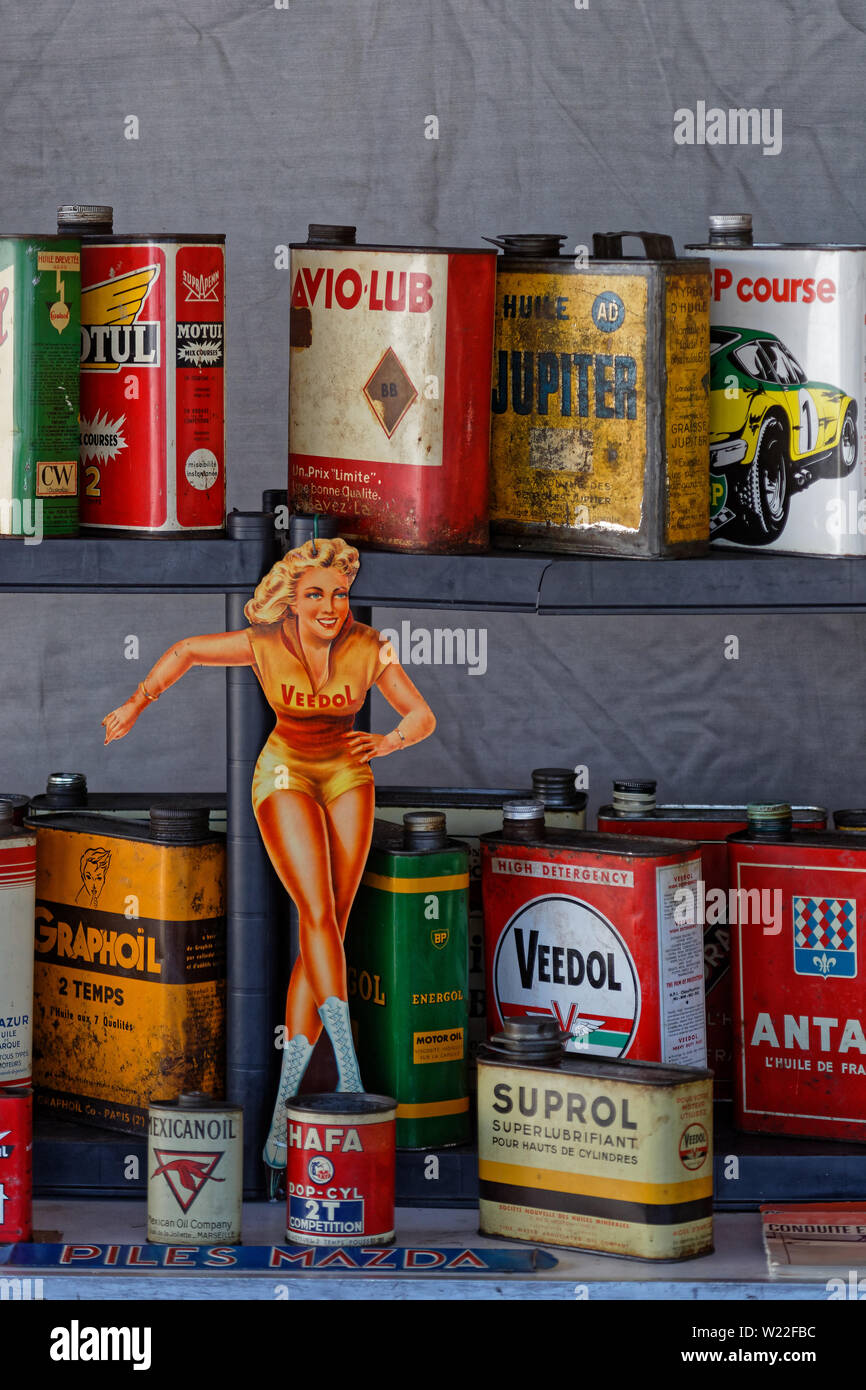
x: 607, y: 246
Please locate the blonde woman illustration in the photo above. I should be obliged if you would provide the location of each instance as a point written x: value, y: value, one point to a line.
x: 312, y: 787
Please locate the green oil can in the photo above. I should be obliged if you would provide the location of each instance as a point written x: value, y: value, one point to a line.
x: 407, y: 960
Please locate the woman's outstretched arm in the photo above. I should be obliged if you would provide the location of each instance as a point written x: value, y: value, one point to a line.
x: 209, y: 649
x: 418, y: 720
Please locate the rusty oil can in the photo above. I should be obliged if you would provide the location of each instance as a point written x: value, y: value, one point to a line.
x: 40, y: 298
x: 130, y: 964
x: 389, y: 423
x: 407, y: 963
x: 595, y: 932
x: 633, y: 811
x: 615, y: 1157
x: 600, y: 406
x: 799, y: 1003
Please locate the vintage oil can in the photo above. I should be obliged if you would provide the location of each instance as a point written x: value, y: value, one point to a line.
x: 389, y: 425
x: 340, y: 1169
x: 16, y: 1164
x: 17, y: 902
x: 787, y: 468
x: 615, y: 1157
x: 598, y: 932
x: 600, y: 416
x: 633, y: 811
x: 130, y: 964
x: 799, y: 1003
x: 152, y: 428
x: 194, y: 1171
x: 407, y: 963
x: 40, y: 297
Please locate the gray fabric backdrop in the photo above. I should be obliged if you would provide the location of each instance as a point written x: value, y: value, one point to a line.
x: 255, y: 118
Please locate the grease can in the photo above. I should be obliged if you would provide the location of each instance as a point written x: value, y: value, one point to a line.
x: 130, y: 975
x: 340, y: 1169
x: 17, y: 902
x: 615, y: 1157
x: 599, y: 933
x: 40, y: 295
x: 633, y: 811
x: 152, y: 426
x: 600, y: 407
x: 16, y: 1164
x: 799, y: 1004
x: 194, y: 1171
x: 389, y: 422
x: 407, y: 965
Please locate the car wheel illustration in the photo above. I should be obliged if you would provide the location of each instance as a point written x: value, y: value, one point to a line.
x: 763, y: 493
x: 846, y: 449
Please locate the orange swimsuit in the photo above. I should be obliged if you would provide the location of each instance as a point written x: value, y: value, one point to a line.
x: 307, y: 751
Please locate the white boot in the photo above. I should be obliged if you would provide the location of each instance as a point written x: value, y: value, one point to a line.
x: 334, y: 1014
x: 296, y: 1054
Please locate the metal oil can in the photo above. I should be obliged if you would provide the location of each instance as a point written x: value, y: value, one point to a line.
x: 853, y: 821
x: 152, y: 427
x: 633, y: 811
x: 16, y: 1164
x: 787, y: 344
x: 130, y: 964
x: 40, y: 296
x: 799, y: 1003
x: 194, y: 1171
x: 389, y: 425
x: 615, y: 1157
x: 600, y: 417
x: 340, y: 1169
x: 598, y: 932
x: 407, y: 963
x: 17, y: 900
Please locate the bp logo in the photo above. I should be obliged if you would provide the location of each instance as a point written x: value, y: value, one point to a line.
x: 561, y: 957
x: 320, y: 1169
x: 608, y: 311
x: 694, y: 1146
x: 439, y: 938
x: 718, y: 493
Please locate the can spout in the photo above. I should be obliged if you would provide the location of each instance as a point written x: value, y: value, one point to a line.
x: 529, y: 246
x: 330, y: 234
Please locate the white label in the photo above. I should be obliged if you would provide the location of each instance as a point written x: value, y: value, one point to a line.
x: 575, y: 873
x: 681, y: 968
x: 17, y: 908
x: 201, y: 469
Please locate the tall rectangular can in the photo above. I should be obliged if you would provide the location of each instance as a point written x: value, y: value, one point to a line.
x: 17, y: 897
x: 406, y: 957
x: 787, y: 469
x: 799, y: 1000
x: 615, y: 1157
x: 710, y: 826
x: 600, y: 416
x: 130, y: 969
x: 40, y: 297
x: 389, y: 422
x: 152, y: 428
x: 598, y: 932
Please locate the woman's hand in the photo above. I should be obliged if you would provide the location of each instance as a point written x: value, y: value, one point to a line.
x: 366, y: 746
x: 118, y: 723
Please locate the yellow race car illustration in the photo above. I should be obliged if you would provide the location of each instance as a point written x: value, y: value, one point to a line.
x: 772, y: 433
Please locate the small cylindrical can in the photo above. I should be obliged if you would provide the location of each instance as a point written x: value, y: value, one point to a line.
x: 340, y: 1169
x: 152, y: 422
x: 194, y: 1171
x: 16, y: 1149
x: 17, y: 906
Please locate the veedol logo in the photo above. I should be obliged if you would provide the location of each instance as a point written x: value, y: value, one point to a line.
x: 737, y: 126
x: 76, y: 1343
x: 438, y: 646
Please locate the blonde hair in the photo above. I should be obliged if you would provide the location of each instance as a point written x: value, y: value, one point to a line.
x: 276, y: 592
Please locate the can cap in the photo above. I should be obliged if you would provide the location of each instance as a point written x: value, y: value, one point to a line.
x: 850, y: 820
x: 555, y: 787
x: 634, y: 796
x: 307, y: 526
x: 730, y: 229
x: 178, y: 823
x: 424, y: 830
x: 529, y: 246
x: 523, y: 810
x: 19, y: 803
x: 86, y: 215
x: 530, y: 1039
x: 7, y: 816
x: 336, y: 1103
x: 331, y: 234
x: 66, y: 789
x: 770, y: 819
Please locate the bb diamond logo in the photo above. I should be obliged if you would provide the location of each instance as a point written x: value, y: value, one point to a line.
x: 186, y: 1173
x: 825, y: 936
x: 389, y: 391
x: 201, y: 287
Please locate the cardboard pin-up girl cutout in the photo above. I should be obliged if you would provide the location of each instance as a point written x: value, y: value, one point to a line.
x: 312, y: 787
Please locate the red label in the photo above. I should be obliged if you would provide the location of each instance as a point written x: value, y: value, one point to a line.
x: 16, y: 1148
x: 199, y: 357
x: 339, y: 1181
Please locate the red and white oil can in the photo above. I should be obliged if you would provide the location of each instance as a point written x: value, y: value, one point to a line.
x: 340, y: 1169
x: 598, y: 932
x: 389, y: 390
x: 16, y: 1158
x: 799, y: 1001
x: 17, y: 909
x: 152, y: 414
